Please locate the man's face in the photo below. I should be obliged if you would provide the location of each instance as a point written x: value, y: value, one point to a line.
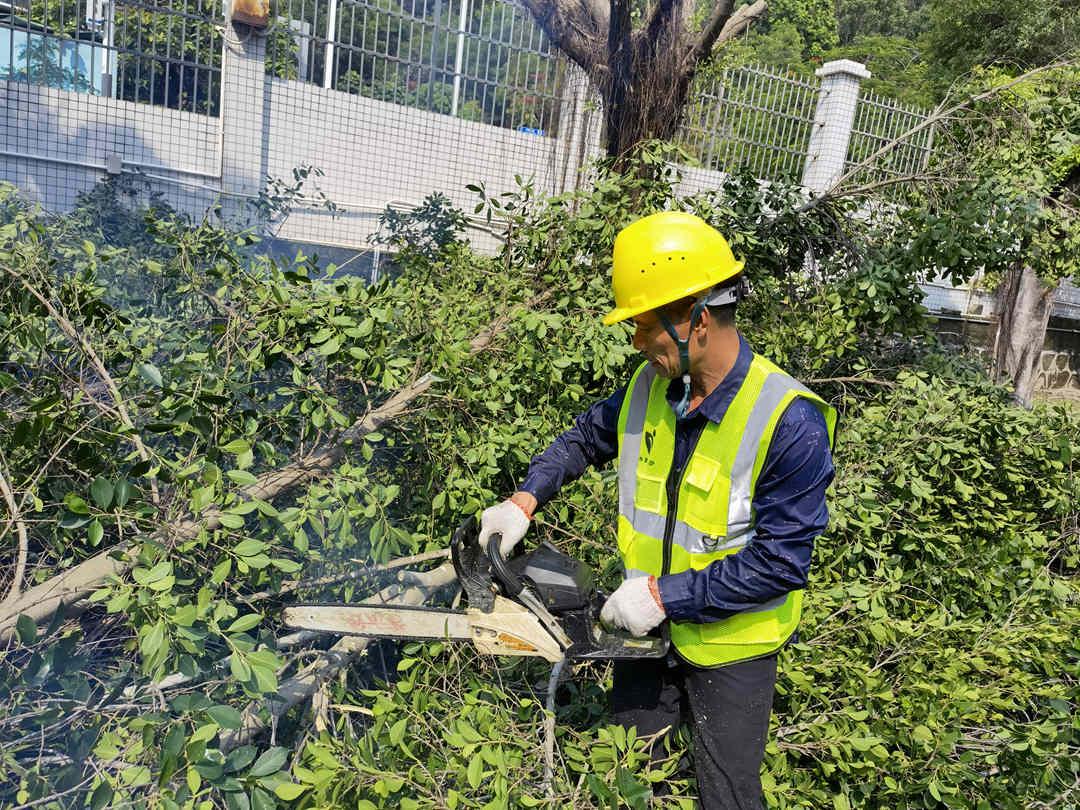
x: 652, y: 340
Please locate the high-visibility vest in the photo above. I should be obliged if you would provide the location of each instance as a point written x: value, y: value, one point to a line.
x: 712, y: 517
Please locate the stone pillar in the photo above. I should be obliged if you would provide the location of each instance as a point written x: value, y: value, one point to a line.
x: 829, y: 137
x: 244, y: 124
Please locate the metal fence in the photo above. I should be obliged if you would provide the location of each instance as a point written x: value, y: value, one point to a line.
x: 754, y: 117
x: 166, y: 54
x: 479, y: 60
x: 880, y: 121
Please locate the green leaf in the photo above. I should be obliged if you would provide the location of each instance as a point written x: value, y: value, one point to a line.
x: 102, y: 492
x: 249, y: 548
x: 397, y: 731
x: 94, y: 532
x: 230, y: 521
x: 240, y: 758
x: 221, y: 571
x: 26, y: 628
x: 101, y: 797
x: 270, y: 762
x: 261, y: 799
x: 474, y: 772
x: 225, y: 716
x: 122, y: 493
x: 631, y: 790
x: 285, y: 565
x: 244, y: 623
x: 237, y: 446
x: 150, y: 373
x: 152, y: 644
x: 239, y: 667
x: 289, y: 791
x: 242, y: 477
x: 330, y: 347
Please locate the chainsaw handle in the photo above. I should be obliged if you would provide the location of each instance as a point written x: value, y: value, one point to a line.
x: 511, y: 583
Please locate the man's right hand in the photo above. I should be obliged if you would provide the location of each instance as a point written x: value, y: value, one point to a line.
x: 510, y: 519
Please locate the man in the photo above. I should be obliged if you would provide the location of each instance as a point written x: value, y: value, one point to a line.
x: 723, y: 463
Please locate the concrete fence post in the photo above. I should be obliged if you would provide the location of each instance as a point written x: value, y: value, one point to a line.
x: 831, y: 132
x: 243, y: 118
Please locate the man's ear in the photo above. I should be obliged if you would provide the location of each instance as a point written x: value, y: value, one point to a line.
x: 704, y: 321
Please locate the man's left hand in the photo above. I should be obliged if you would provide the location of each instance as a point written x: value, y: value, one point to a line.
x: 635, y: 606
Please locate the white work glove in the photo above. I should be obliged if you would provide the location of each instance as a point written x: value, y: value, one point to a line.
x: 507, y: 519
x: 635, y: 606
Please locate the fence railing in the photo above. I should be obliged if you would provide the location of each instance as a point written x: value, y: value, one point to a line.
x: 166, y: 54
x: 880, y: 121
x: 480, y: 60
x: 754, y: 117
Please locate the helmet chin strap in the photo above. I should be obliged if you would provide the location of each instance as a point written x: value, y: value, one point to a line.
x: 683, y: 344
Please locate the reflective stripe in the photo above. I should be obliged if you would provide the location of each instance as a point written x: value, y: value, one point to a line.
x: 692, y: 540
x: 631, y: 441
x: 775, y: 388
x: 634, y: 573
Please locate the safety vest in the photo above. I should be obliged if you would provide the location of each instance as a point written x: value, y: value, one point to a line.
x: 712, y: 517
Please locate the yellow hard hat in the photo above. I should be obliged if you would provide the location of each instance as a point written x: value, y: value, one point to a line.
x: 664, y: 257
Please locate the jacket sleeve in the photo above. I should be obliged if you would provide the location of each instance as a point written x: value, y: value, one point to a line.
x: 593, y: 440
x: 790, y: 510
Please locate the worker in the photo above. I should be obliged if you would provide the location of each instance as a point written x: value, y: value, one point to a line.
x: 723, y: 462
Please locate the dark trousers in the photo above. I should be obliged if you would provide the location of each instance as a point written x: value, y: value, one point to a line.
x: 729, y: 711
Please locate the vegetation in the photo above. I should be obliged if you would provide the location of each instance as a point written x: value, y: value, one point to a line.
x: 208, y: 418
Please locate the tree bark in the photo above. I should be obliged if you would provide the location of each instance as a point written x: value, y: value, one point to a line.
x: 643, y: 76
x: 1024, y: 305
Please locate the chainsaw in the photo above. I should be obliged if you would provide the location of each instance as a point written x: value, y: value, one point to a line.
x: 541, y: 603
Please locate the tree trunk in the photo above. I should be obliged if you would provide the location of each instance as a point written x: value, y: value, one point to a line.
x: 1024, y: 305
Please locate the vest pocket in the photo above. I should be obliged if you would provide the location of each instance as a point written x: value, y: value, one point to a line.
x: 650, y: 492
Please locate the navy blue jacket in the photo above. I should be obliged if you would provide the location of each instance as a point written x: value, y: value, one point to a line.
x: 789, y: 501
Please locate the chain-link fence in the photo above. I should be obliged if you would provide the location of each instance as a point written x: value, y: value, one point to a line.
x: 162, y: 54
x: 753, y: 117
x: 478, y: 60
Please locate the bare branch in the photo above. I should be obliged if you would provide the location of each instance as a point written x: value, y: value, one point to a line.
x: 567, y: 26
x: 941, y: 113
x: 742, y: 19
x: 600, y: 11
x: 24, y: 543
x: 708, y: 36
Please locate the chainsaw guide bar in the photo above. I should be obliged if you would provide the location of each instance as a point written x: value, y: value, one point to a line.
x: 542, y: 604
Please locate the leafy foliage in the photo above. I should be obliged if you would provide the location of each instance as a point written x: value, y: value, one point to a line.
x: 927, y: 673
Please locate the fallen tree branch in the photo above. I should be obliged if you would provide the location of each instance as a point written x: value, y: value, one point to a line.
x: 304, y: 684
x: 77, y: 583
x: 360, y: 573
x: 940, y: 114
x: 24, y: 542
x: 866, y: 380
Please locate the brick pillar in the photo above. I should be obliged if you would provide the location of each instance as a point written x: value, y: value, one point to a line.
x: 827, y: 152
x: 243, y: 118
